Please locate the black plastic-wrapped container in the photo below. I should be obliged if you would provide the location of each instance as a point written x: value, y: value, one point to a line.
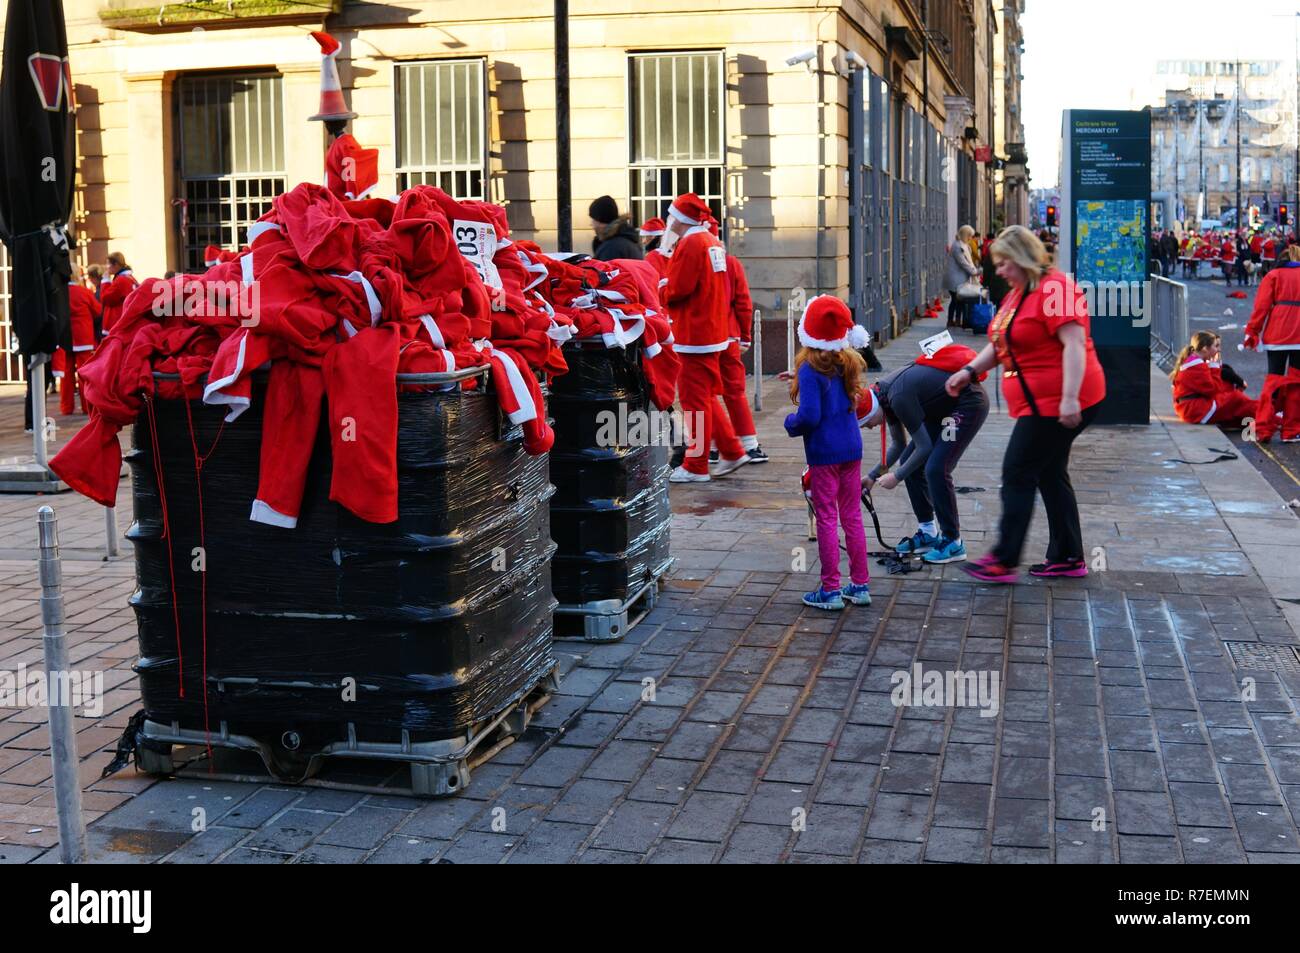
x: 610, y: 513
x: 439, y: 621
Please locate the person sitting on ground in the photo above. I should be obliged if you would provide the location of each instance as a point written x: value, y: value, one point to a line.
x: 826, y: 387
x: 1204, y: 390
x: 929, y: 430
x: 615, y: 235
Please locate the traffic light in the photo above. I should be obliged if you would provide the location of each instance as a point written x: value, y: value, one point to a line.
x: 1051, y: 216
x: 1282, y: 214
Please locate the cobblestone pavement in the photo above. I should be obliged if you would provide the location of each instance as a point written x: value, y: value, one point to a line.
x: 1120, y: 735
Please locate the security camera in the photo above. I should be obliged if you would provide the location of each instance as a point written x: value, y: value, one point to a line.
x: 798, y: 58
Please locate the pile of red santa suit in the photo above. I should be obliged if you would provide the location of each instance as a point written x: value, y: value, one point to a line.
x: 335, y: 297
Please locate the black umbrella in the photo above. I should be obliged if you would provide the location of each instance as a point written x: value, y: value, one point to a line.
x: 37, y: 170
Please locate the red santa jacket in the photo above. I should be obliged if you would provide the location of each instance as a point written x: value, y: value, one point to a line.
x: 1195, y: 390
x: 83, y: 309
x: 696, y: 294
x: 1269, y: 252
x: 113, y: 292
x: 1256, y: 244
x: 1227, y: 253
x: 659, y: 260
x: 1274, y: 323
x: 742, y: 305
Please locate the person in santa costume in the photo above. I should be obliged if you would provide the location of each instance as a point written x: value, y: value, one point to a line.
x: 740, y: 317
x: 1274, y: 328
x: 115, y: 286
x: 826, y: 386
x: 652, y: 233
x: 83, y: 312
x: 696, y: 295
x: 1202, y: 391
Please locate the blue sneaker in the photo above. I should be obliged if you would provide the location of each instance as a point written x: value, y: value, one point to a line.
x: 858, y: 593
x: 946, y: 551
x: 821, y: 599
x: 918, y: 542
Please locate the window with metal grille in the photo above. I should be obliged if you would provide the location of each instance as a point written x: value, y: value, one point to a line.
x: 441, y: 114
x: 675, y: 132
x: 231, y: 137
x: 11, y: 362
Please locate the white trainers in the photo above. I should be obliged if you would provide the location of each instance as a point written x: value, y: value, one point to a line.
x: 683, y: 475
x: 726, y: 466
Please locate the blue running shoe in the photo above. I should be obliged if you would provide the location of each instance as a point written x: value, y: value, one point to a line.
x: 821, y: 599
x: 918, y: 542
x: 857, y: 593
x: 946, y: 551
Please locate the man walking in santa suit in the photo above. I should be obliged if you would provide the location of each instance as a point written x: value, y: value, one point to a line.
x: 698, y: 299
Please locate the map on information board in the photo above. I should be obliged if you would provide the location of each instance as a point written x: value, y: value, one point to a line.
x: 1110, y: 240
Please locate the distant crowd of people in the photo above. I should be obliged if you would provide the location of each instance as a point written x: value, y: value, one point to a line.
x: 1241, y: 255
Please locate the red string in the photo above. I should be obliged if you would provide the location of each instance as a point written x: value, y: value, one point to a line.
x: 199, y: 461
x: 167, y: 536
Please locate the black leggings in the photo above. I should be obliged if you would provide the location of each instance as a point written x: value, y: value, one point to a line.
x: 1278, y: 360
x: 1037, y: 461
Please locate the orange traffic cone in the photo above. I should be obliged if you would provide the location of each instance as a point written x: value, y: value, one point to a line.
x: 332, y: 104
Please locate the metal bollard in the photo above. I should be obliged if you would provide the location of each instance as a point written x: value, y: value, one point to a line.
x: 789, y: 337
x: 758, y: 359
x: 63, y: 738
x: 110, y: 532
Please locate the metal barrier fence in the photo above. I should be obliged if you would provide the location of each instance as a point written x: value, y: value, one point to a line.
x: 1169, y: 325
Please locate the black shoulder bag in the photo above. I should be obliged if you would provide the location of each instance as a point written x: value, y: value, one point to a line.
x: 1015, y: 364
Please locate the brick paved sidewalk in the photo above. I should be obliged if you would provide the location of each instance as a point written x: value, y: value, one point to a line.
x: 1121, y: 733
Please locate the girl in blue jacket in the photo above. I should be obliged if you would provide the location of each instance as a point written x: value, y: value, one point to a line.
x: 827, y: 382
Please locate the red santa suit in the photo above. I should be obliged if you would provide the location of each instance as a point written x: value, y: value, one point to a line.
x: 113, y: 292
x: 1274, y: 325
x: 1202, y: 397
x: 740, y: 316
x: 698, y: 303
x: 83, y: 310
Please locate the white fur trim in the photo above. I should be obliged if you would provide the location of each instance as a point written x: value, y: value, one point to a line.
x: 1214, y: 405
x: 262, y: 513
x: 260, y: 228
x: 672, y: 210
x: 212, y: 393
x: 701, y: 348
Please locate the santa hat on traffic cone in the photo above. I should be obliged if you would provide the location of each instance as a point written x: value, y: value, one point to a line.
x: 332, y: 104
x: 653, y: 228
x: 827, y: 325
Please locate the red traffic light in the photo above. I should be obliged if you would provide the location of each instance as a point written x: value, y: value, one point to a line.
x: 1051, y: 215
x: 1282, y: 214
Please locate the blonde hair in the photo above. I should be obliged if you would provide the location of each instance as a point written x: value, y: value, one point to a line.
x: 965, y: 233
x: 846, y: 364
x: 1292, y: 252
x: 1199, y: 340
x: 1021, y: 246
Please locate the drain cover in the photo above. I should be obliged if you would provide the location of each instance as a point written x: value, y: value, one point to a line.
x: 1266, y: 658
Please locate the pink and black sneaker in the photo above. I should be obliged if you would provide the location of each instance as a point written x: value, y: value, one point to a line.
x: 988, y: 569
x: 1072, y: 568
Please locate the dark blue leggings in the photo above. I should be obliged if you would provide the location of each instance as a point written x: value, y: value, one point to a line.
x: 930, y: 487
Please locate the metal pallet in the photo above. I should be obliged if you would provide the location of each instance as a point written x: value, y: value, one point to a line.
x: 438, y: 768
x: 608, y: 620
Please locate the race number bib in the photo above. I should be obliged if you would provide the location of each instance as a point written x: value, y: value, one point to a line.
x: 718, y: 257
x: 477, y: 241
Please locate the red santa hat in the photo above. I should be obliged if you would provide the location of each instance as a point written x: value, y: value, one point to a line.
x: 868, y: 405
x: 827, y: 325
x: 351, y: 172
x: 211, y: 256
x: 689, y: 209
x: 653, y: 228
x: 332, y: 104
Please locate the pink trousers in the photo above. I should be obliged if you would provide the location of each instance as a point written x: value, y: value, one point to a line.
x: 837, y: 502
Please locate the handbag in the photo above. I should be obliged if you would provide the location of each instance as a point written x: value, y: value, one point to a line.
x: 969, y: 291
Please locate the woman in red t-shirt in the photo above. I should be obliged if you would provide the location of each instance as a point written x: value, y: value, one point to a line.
x: 1053, y: 384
